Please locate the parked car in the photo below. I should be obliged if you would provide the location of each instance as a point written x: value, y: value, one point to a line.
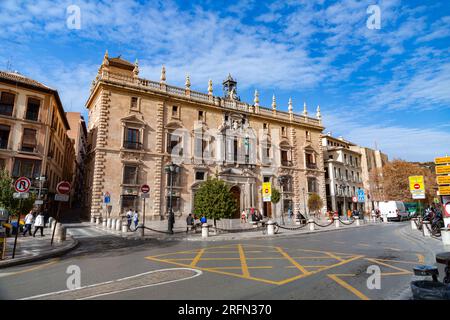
x: 395, y: 210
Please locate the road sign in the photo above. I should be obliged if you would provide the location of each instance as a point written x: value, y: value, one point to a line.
x: 22, y: 184
x: 267, y: 191
x: 418, y: 196
x: 62, y: 197
x: 38, y: 202
x: 145, y: 188
x: 21, y: 195
x: 443, y: 179
x: 63, y: 187
x: 355, y: 199
x: 145, y: 195
x: 442, y: 160
x: 361, y: 195
x: 416, y: 184
x: 444, y: 190
x: 442, y: 169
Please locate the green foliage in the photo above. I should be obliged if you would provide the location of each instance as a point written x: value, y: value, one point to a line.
x: 214, y: 200
x: 276, y: 195
x: 315, y: 203
x: 6, y: 196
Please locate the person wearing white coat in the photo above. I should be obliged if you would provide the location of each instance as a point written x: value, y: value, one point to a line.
x: 39, y: 224
x: 29, y: 218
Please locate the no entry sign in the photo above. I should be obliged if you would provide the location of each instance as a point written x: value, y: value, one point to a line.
x: 22, y: 184
x: 63, y: 187
x: 145, y: 188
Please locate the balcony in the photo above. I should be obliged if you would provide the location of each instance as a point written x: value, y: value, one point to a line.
x: 311, y: 165
x: 286, y: 163
x: 132, y: 145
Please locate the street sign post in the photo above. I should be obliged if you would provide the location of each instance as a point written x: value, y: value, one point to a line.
x: 267, y: 191
x: 63, y: 188
x: 22, y: 186
x: 354, y: 199
x: 145, y: 189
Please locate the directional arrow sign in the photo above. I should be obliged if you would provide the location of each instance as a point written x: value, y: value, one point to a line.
x: 442, y: 160
x: 443, y: 179
x: 442, y: 169
x: 22, y: 184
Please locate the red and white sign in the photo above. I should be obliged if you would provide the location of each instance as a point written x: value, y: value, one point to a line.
x: 145, y: 188
x: 417, y: 186
x: 22, y: 184
x: 355, y: 199
x: 63, y: 187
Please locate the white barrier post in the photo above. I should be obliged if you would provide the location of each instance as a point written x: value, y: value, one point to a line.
x: 141, y: 230
x: 385, y: 218
x: 425, y: 229
x: 297, y: 222
x: 270, y: 228
x: 413, y: 223
x: 205, y: 230
x: 336, y: 222
x: 311, y: 224
x: 104, y: 224
x: 108, y: 223
x: 92, y: 219
x: 118, y: 224
x: 97, y: 220
x: 124, y: 228
x: 357, y: 221
x: 445, y: 236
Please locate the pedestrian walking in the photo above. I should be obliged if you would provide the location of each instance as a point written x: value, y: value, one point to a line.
x: 189, y: 222
x: 39, y: 224
x: 244, y: 216
x: 290, y: 214
x: 129, y: 218
x: 135, y: 219
x: 29, y: 218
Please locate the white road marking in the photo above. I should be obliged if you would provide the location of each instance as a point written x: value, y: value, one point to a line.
x: 198, y: 273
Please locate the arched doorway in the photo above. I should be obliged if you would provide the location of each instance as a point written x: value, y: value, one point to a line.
x: 236, y: 193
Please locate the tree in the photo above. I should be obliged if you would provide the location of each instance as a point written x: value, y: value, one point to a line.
x: 275, y: 198
x: 395, y: 182
x: 315, y: 202
x: 214, y: 200
x: 6, y: 196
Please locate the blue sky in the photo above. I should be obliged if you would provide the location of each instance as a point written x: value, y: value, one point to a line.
x: 387, y: 86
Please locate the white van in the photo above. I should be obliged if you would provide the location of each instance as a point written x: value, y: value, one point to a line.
x: 395, y: 210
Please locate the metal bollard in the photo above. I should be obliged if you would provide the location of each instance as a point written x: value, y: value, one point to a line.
x: 413, y: 223
x: 357, y: 221
x: 425, y: 229
x: 297, y: 222
x: 311, y: 224
x: 270, y: 228
x: 141, y: 230
x: 104, y: 224
x: 60, y: 232
x: 205, y: 230
x: 108, y: 223
x: 124, y: 228
x: 118, y: 224
x: 336, y: 222
x: 97, y: 220
x: 385, y: 218
x: 445, y: 236
x: 92, y: 219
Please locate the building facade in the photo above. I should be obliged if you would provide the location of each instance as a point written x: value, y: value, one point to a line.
x: 33, y: 127
x: 138, y: 126
x: 78, y: 137
x: 343, y: 174
x: 372, y: 162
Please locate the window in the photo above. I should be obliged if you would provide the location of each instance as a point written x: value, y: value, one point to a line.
x: 176, y: 180
x: 310, y: 161
x: 357, y: 176
x: 327, y: 174
x: 346, y: 174
x: 351, y: 160
x: 200, y: 175
x: 29, y: 140
x: 330, y: 157
x: 4, y: 136
x: 132, y: 140
x: 130, y: 174
x: 6, y: 103
x: 128, y: 202
x: 283, y: 131
x: 356, y: 162
x: 174, y: 144
x: 175, y: 113
x: 26, y: 168
x: 176, y: 203
x: 335, y: 172
x: 2, y: 164
x: 266, y: 179
x: 308, y: 136
x: 201, y: 115
x: 265, y: 126
x: 345, y: 158
x: 286, y: 184
x: 33, y: 109
x: 134, y: 102
x: 312, y: 185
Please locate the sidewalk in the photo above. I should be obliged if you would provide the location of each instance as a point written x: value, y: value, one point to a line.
x: 180, y: 231
x: 30, y: 249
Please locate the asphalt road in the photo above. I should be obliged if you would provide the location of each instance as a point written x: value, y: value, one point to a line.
x: 328, y: 265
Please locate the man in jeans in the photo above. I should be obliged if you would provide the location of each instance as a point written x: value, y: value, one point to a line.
x: 39, y: 224
x: 28, y: 222
x: 189, y: 222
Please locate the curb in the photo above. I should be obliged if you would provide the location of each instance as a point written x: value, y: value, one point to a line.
x: 52, y: 254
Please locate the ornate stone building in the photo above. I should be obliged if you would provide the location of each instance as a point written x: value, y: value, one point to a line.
x: 137, y: 126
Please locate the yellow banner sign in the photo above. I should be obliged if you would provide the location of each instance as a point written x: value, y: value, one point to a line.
x: 444, y: 190
x: 442, y: 160
x: 443, y: 179
x: 416, y: 184
x: 266, y: 189
x: 442, y: 169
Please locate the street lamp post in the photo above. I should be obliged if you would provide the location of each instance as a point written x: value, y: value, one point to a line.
x: 171, y: 169
x: 281, y: 180
x: 304, y: 203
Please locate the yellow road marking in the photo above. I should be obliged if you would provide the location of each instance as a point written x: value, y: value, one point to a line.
x: 33, y: 268
x: 244, y: 266
x: 347, y: 286
x: 399, y: 261
x: 197, y: 258
x: 402, y: 271
x: 334, y: 256
x: 257, y: 267
x: 295, y: 263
